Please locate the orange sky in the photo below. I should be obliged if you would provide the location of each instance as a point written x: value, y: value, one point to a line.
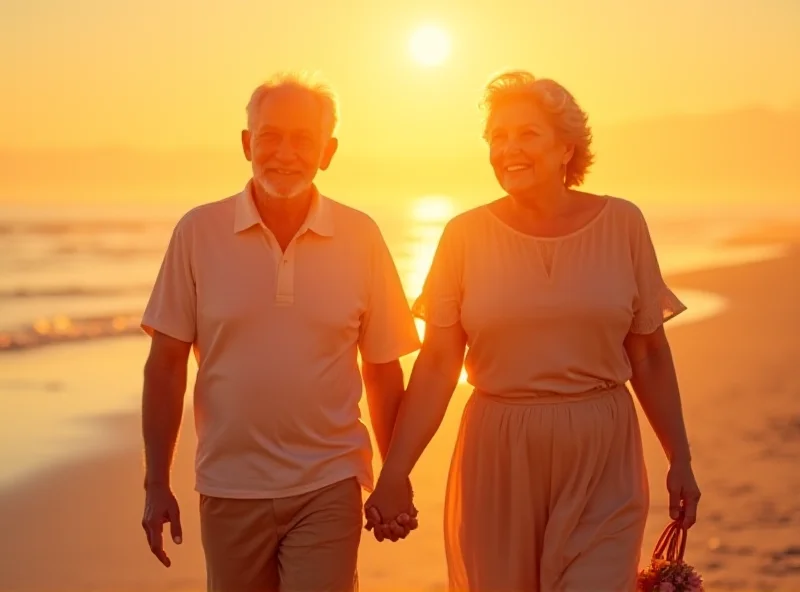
x: 149, y: 73
x: 155, y: 75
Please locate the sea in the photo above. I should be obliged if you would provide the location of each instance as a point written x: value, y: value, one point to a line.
x: 74, y: 281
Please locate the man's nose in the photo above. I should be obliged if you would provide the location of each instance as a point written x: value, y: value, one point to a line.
x: 285, y: 151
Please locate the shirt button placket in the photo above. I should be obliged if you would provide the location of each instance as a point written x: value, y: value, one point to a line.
x: 285, y: 288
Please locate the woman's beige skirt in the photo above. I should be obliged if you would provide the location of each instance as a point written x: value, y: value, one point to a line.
x: 547, y: 494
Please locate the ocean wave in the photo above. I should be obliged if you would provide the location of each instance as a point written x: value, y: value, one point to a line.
x: 84, y: 227
x: 126, y: 252
x: 73, y: 292
x: 63, y: 329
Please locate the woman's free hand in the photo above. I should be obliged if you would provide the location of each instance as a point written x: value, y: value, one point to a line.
x: 684, y: 493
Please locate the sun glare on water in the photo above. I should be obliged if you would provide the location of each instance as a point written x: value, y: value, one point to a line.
x: 430, y: 45
x: 429, y: 214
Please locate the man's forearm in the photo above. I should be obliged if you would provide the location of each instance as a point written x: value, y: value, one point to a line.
x: 162, y: 411
x: 656, y: 386
x: 384, y: 386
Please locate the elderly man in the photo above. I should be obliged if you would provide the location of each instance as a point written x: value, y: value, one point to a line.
x: 276, y: 290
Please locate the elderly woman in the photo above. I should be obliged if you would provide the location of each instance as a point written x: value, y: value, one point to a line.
x: 559, y: 297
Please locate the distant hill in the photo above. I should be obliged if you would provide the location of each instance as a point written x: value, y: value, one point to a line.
x: 711, y: 157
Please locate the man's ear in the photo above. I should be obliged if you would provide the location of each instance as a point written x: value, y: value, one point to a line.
x: 328, y: 152
x: 246, y: 145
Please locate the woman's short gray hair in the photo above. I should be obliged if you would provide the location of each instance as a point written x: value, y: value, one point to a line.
x: 569, y: 120
x: 304, y: 81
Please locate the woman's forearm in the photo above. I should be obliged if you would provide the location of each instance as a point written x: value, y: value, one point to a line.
x: 656, y: 386
x: 422, y: 409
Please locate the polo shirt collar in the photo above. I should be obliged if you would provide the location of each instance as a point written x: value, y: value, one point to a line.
x: 319, y: 219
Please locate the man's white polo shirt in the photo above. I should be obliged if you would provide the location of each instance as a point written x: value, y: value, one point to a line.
x: 276, y: 336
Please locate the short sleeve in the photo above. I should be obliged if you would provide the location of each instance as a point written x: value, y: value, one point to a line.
x: 440, y: 301
x: 654, y: 303
x: 171, y: 309
x: 388, y: 331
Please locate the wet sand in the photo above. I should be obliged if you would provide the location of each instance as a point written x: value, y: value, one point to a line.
x: 77, y: 526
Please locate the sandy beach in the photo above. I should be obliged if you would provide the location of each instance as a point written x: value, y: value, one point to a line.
x: 77, y: 526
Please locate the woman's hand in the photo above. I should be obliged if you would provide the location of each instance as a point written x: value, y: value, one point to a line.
x: 684, y: 494
x: 390, y: 510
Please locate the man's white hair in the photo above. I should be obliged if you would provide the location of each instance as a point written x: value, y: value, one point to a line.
x: 304, y: 81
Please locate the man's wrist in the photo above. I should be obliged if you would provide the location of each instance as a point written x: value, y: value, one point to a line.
x: 156, y: 482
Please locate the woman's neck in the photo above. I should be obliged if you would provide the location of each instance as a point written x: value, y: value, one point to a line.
x: 552, y: 201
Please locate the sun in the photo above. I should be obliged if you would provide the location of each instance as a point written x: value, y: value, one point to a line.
x: 430, y: 45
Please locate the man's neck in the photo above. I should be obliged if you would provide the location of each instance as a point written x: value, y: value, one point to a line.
x: 283, y: 217
x: 282, y: 210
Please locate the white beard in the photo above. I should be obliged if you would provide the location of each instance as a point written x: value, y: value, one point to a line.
x: 293, y: 191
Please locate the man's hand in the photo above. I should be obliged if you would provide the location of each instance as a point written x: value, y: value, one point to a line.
x: 160, y: 507
x: 394, y: 530
x: 390, y: 510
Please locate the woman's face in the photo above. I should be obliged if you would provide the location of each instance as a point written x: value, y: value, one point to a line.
x: 524, y: 148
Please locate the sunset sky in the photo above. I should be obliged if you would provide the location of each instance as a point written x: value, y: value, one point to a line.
x: 176, y: 74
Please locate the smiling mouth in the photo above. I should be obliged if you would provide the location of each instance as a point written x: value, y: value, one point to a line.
x: 514, y: 168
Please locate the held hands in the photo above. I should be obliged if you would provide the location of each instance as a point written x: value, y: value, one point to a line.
x: 161, y: 507
x: 684, y: 494
x: 390, y: 510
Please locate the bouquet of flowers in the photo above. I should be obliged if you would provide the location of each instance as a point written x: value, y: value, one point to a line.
x: 667, y: 571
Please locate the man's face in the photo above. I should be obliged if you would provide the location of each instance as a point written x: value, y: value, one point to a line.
x: 287, y: 144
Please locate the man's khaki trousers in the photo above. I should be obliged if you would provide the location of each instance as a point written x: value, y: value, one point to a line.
x: 305, y: 543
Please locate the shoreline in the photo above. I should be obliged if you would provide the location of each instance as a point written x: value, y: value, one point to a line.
x: 108, y: 337
x: 737, y: 374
